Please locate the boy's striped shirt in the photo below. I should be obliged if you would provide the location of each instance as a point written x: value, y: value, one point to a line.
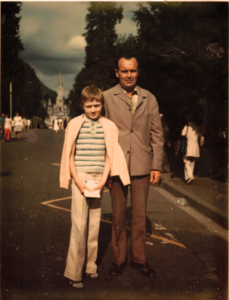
x: 90, y: 147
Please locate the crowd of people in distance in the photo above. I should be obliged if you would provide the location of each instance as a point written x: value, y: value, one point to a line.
x: 59, y: 125
x: 17, y: 125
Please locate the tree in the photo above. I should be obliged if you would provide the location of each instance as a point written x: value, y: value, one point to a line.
x: 11, y: 46
x: 27, y: 89
x: 100, y: 50
x: 183, y: 52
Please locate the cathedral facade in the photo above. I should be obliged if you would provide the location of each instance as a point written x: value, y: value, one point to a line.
x: 58, y: 110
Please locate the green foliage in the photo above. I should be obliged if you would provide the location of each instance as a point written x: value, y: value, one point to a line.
x: 47, y: 93
x: 41, y: 112
x: 183, y: 52
x: 100, y: 51
x: 11, y: 45
x: 27, y: 90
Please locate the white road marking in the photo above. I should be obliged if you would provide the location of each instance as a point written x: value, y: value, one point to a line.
x: 159, y: 226
x: 148, y: 243
x: 208, y: 223
x: 170, y: 235
x: 166, y: 241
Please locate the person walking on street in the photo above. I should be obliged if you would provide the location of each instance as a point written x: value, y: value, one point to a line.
x: 28, y: 123
x: 17, y: 124
x: 23, y: 124
x: 135, y: 112
x: 90, y: 151
x: 12, y: 125
x: 7, y: 127
x: 2, y: 123
x: 65, y: 123
x: 56, y: 126
x: 191, y: 132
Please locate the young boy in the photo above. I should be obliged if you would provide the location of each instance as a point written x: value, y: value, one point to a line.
x: 90, y: 152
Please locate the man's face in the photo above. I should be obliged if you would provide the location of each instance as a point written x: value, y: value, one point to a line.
x: 92, y: 109
x: 127, y: 73
x: 3, y: 115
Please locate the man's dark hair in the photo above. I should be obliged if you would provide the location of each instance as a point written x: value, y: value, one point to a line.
x: 127, y: 56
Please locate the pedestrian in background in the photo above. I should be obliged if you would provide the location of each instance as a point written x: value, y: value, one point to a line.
x: 2, y: 123
x: 7, y: 127
x: 23, y: 124
x: 28, y: 123
x: 12, y: 125
x: 56, y: 125
x: 90, y: 151
x: 192, y: 132
x: 165, y: 167
x: 17, y: 124
x: 65, y: 123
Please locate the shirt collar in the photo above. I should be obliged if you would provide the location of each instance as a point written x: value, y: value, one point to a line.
x: 90, y: 120
x: 135, y: 92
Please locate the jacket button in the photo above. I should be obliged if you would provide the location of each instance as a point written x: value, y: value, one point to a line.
x: 129, y: 109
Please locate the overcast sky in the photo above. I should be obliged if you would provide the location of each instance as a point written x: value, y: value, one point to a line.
x: 51, y: 33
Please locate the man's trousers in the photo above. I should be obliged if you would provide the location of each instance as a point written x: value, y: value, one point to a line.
x: 139, y: 189
x: 85, y: 215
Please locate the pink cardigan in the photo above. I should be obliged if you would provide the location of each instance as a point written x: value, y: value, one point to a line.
x: 116, y: 157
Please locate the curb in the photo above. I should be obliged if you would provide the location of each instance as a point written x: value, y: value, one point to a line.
x: 212, y: 212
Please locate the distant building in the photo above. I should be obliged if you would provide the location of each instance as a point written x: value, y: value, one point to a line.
x: 58, y: 110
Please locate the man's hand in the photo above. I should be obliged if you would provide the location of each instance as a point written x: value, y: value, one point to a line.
x: 108, y: 183
x: 155, y: 176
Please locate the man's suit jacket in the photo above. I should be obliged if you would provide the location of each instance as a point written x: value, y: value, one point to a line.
x: 140, y: 135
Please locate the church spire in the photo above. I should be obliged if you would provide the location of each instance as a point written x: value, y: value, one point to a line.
x: 60, y: 83
x: 49, y: 102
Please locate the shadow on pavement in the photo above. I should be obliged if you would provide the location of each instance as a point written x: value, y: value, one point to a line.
x: 104, y: 239
x: 5, y: 174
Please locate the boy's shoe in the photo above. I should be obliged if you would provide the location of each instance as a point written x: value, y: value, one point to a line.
x: 76, y: 284
x: 92, y: 275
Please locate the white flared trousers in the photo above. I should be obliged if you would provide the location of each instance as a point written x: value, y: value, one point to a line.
x: 189, y: 164
x: 85, y: 215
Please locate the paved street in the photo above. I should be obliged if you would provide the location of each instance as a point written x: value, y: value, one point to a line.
x: 187, y: 249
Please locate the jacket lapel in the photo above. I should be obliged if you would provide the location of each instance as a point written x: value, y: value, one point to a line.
x: 141, y: 96
x: 119, y: 92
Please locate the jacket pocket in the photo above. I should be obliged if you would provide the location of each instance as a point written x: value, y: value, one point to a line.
x: 147, y: 148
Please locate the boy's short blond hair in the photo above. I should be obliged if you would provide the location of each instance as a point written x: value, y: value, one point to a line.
x: 90, y: 93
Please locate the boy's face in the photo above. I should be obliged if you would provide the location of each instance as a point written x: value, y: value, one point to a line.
x: 92, y: 109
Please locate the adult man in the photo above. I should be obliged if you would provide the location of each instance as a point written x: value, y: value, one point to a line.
x: 135, y: 112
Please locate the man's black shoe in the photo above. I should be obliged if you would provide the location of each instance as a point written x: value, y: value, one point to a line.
x: 144, y: 269
x: 116, y: 269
